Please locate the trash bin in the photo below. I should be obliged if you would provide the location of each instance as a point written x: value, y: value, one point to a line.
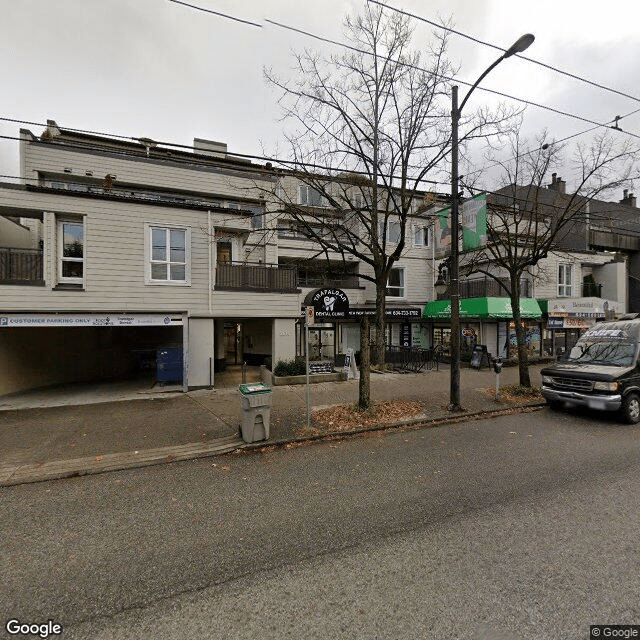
x: 169, y: 364
x: 256, y: 404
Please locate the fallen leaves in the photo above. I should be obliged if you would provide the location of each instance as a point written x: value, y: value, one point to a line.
x: 516, y: 394
x: 347, y: 417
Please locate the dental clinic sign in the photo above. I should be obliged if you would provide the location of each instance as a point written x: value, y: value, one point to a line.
x: 330, y: 303
x: 87, y: 320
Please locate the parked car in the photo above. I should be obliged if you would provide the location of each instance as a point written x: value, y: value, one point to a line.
x: 600, y: 372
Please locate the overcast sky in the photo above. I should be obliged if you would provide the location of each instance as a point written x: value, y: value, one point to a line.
x: 158, y: 69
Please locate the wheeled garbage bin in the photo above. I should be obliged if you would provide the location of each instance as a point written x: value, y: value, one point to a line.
x: 169, y: 363
x: 256, y: 407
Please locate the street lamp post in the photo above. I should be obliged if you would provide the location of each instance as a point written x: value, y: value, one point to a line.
x: 454, y: 392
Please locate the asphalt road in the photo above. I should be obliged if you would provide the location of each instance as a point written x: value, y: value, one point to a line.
x: 520, y: 527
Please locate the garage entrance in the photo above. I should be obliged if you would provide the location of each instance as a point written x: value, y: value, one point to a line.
x: 50, y: 349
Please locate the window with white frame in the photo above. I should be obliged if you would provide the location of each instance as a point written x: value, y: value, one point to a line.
x: 311, y: 197
x: 564, y: 280
x: 421, y: 236
x: 71, y: 251
x: 395, y: 283
x: 393, y: 231
x: 168, y: 255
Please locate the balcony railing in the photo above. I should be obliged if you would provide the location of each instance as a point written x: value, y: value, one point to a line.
x: 591, y: 290
x: 21, y: 266
x: 256, y: 277
x: 486, y: 288
x: 319, y: 281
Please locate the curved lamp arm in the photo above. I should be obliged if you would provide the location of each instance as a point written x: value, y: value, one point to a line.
x: 522, y: 43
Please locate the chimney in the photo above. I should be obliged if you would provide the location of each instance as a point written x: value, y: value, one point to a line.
x: 628, y: 198
x: 210, y: 148
x: 558, y: 184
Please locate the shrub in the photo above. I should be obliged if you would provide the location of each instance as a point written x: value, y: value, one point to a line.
x: 289, y: 368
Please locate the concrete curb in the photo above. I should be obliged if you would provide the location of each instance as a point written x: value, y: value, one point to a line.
x: 12, y: 475
x: 23, y: 474
x: 409, y: 424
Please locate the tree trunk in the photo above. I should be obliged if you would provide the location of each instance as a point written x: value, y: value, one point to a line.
x: 379, y: 351
x: 364, y: 399
x: 523, y: 360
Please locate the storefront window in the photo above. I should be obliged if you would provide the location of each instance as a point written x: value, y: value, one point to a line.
x: 547, y: 342
x: 420, y: 335
x: 532, y: 338
x: 442, y: 337
x: 468, y: 340
x: 565, y: 339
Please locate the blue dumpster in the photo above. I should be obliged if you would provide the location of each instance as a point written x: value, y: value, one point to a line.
x: 169, y: 364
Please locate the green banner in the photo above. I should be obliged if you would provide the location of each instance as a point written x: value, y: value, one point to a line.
x: 473, y: 220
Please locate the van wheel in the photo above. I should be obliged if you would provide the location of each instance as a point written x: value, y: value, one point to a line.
x: 631, y: 408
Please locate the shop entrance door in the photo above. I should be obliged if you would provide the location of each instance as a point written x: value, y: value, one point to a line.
x: 321, y: 343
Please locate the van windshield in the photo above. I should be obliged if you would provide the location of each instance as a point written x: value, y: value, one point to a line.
x: 612, y: 352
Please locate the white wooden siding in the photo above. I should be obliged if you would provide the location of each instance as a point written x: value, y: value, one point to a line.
x: 114, y: 257
x: 137, y: 170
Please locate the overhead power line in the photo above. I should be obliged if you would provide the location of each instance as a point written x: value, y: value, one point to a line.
x: 501, y: 94
x: 217, y: 13
x: 494, y: 46
x: 451, y: 79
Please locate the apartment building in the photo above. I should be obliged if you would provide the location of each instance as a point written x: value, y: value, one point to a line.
x: 112, y: 250
x: 566, y: 292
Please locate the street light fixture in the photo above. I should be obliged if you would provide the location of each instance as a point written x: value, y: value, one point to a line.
x: 454, y: 393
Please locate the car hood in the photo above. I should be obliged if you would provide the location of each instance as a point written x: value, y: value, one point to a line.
x: 590, y: 371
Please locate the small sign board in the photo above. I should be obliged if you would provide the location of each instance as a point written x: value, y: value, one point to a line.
x: 480, y: 356
x: 320, y: 367
x: 405, y: 334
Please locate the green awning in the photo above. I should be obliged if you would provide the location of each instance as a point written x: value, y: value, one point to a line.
x: 482, y: 308
x: 437, y: 309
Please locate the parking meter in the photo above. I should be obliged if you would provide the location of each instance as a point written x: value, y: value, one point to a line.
x: 497, y: 367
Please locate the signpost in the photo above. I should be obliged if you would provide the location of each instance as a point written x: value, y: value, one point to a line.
x: 309, y: 318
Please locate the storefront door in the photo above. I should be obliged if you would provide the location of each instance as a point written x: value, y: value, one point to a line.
x: 321, y: 343
x: 233, y: 343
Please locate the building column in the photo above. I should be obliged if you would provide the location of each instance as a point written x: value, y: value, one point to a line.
x: 283, y: 340
x: 199, y: 352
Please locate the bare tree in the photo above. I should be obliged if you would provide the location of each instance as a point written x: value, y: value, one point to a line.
x: 526, y: 221
x: 372, y: 127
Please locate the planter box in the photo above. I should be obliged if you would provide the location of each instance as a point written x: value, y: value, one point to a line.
x: 276, y: 381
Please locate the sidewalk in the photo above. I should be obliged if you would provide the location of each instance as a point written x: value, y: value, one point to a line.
x: 46, y: 442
